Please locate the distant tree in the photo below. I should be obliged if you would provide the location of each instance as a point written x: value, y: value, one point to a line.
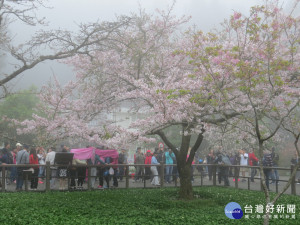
x: 49, y: 45
x: 18, y: 106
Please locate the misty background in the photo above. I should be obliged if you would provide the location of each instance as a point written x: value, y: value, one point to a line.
x: 67, y: 14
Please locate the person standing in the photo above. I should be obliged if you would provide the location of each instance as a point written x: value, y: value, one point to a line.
x: 41, y: 155
x: 80, y: 172
x: 154, y: 171
x: 140, y: 159
x: 5, y: 158
x: 243, y: 162
x: 210, y: 158
x: 122, y: 160
x: 148, y: 162
x: 22, y: 158
x: 169, y: 156
x: 223, y: 161
x: 253, y: 161
x: 13, y: 170
x: 50, y: 157
x: 267, y: 162
x: 62, y: 172
x: 104, y: 173
x: 33, y: 160
x: 274, y: 173
x: 95, y: 160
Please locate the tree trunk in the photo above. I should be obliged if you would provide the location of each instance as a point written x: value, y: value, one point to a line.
x: 186, y: 189
x: 267, y: 219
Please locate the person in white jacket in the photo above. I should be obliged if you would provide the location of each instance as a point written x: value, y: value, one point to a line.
x: 154, y: 171
x: 50, y: 157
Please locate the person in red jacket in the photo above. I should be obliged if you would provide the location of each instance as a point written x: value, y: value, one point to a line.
x: 148, y: 158
x: 33, y: 159
x: 253, y: 161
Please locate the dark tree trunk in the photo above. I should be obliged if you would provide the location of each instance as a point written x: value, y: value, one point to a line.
x: 183, y: 162
x: 186, y: 189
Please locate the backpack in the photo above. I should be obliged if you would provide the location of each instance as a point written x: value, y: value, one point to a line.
x: 267, y: 160
x: 6, y: 157
x: 226, y: 160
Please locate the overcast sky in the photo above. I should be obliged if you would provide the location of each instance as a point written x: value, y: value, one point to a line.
x: 206, y: 14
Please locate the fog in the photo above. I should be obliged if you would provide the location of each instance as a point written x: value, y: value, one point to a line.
x: 66, y: 14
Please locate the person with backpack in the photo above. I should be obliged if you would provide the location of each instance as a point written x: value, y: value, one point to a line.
x: 22, y: 158
x: 274, y: 174
x: 95, y: 160
x: 223, y: 161
x: 267, y: 162
x: 104, y: 173
x: 5, y: 156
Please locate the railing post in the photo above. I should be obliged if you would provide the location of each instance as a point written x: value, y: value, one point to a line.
x: 248, y: 183
x: 144, y: 175
x: 261, y: 182
x: 26, y: 181
x: 89, y: 177
x: 48, y: 171
x: 214, y: 171
x: 202, y: 169
x: 162, y: 174
x: 3, y: 179
x: 236, y: 177
x: 127, y: 176
x: 293, y: 183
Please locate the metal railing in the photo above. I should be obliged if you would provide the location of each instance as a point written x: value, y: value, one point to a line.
x: 200, y: 178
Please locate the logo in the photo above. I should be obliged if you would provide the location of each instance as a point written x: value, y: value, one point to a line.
x: 233, y: 211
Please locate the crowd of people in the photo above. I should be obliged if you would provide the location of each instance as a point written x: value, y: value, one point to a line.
x: 242, y: 158
x: 147, y: 167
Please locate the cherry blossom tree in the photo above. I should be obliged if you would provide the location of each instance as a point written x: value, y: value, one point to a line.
x: 143, y: 71
x: 255, y: 62
x: 246, y: 73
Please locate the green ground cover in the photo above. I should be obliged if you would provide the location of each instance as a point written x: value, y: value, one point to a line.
x: 135, y: 206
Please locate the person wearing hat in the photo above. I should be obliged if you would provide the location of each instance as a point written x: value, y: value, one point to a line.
x: 154, y: 163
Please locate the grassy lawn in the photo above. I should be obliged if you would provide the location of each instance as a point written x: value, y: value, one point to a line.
x: 135, y: 206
